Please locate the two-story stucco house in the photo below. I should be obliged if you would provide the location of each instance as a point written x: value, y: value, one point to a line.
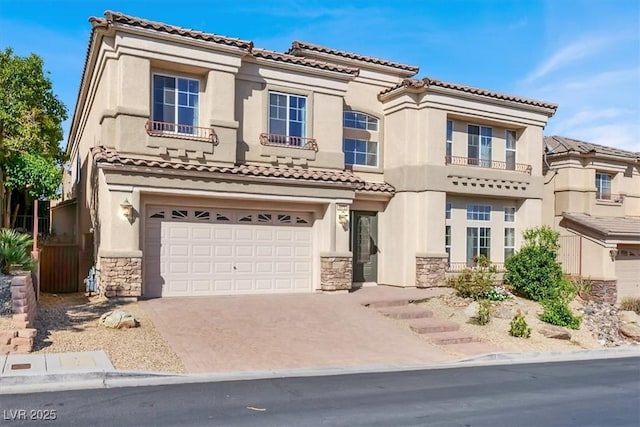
x: 202, y: 165
x: 592, y: 197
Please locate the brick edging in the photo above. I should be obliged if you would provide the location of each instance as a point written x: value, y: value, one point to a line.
x: 25, y: 307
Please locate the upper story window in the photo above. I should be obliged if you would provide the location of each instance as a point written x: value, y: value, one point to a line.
x: 603, y: 186
x: 355, y: 120
x: 510, y: 149
x: 509, y: 214
x: 287, y: 118
x: 447, y: 212
x: 175, y: 104
x: 479, y: 212
x: 479, y: 145
x: 449, y: 138
x: 360, y: 148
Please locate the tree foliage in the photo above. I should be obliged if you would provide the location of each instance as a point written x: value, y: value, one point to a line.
x: 31, y: 117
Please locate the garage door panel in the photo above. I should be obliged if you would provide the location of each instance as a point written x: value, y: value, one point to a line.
x: 223, y: 252
x: 628, y: 273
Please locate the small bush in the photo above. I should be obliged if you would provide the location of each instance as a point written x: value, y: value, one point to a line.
x: 497, y: 293
x: 518, y: 327
x: 558, y: 313
x: 582, y: 285
x: 475, y: 282
x: 630, y: 304
x: 14, y: 250
x: 484, y: 313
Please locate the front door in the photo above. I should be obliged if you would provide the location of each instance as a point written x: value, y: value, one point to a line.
x: 364, y: 245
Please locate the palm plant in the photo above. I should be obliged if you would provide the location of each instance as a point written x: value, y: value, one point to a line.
x: 14, y: 250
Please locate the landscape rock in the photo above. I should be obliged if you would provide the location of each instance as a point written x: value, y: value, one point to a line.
x: 118, y: 319
x: 631, y: 331
x: 556, y: 332
x: 472, y: 309
x: 628, y: 317
x: 601, y: 319
x: 502, y: 312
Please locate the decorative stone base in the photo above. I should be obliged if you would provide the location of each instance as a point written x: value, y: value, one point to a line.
x: 19, y: 338
x: 336, y: 273
x: 604, y: 291
x: 430, y: 271
x: 120, y: 277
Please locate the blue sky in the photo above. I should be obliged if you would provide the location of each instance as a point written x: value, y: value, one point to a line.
x: 581, y: 54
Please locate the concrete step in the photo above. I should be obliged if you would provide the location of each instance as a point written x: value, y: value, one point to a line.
x: 428, y: 325
x: 452, y: 338
x: 405, y: 312
x: 386, y: 303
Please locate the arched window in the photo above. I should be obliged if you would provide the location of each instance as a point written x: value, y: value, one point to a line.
x: 360, y: 145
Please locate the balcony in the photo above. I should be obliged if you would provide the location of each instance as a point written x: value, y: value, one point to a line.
x: 459, y: 267
x: 286, y: 141
x: 488, y: 164
x: 179, y: 131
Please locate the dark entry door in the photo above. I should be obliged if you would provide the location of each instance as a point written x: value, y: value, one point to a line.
x: 364, y: 245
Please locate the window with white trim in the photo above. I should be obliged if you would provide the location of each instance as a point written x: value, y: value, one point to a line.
x: 478, y: 212
x: 478, y: 243
x: 360, y: 152
x: 356, y: 120
x: 509, y: 214
x: 447, y: 212
x: 447, y: 241
x: 288, y: 117
x: 509, y: 242
x: 603, y: 186
x: 449, y: 138
x: 479, y: 141
x: 360, y: 148
x: 510, y: 149
x: 175, y: 104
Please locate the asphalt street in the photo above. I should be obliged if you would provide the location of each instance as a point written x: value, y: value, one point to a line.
x: 577, y: 393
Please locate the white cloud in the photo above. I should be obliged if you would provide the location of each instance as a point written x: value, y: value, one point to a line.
x: 568, y: 55
x: 588, y: 116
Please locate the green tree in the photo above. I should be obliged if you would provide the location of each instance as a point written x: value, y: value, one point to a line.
x: 31, y: 117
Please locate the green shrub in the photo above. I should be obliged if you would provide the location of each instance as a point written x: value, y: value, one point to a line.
x: 475, y: 282
x: 630, y: 304
x: 582, y: 285
x: 534, y: 271
x: 557, y: 312
x: 518, y: 327
x: 15, y: 250
x: 497, y: 293
x: 484, y: 312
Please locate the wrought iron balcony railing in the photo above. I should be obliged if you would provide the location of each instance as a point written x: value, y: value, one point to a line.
x: 278, y: 140
x: 458, y: 267
x: 176, y: 130
x: 489, y: 164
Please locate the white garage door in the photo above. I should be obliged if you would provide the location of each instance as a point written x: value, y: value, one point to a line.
x: 628, y: 273
x: 222, y: 252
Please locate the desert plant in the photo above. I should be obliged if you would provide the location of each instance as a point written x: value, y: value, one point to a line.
x: 534, y: 271
x: 497, y: 293
x: 557, y: 312
x: 582, y: 285
x: 14, y: 250
x: 484, y: 312
x: 630, y: 304
x: 475, y: 282
x: 518, y: 327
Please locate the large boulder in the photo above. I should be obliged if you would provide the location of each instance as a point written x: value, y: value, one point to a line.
x: 472, y: 309
x: 628, y: 317
x: 555, y: 332
x: 118, y: 319
x: 631, y: 331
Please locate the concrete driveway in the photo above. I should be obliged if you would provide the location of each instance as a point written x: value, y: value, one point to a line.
x: 248, y: 333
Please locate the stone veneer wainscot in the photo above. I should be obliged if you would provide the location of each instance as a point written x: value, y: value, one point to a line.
x: 336, y: 272
x: 121, y: 277
x: 604, y: 291
x: 430, y: 270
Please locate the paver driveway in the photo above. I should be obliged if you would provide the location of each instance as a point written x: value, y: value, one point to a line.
x: 263, y: 332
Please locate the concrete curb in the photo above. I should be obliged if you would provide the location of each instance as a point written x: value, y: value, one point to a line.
x: 116, y: 379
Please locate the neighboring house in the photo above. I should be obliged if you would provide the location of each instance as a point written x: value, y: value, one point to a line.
x: 202, y: 165
x: 592, y: 197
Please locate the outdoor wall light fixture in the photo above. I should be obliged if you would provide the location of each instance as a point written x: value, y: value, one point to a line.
x: 127, y: 210
x: 613, y: 253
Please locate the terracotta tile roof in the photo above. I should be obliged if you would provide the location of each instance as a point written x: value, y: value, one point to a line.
x: 120, y: 18
x: 557, y: 145
x: 297, y: 46
x: 428, y: 82
x: 109, y: 156
x: 292, y: 59
x: 607, y: 226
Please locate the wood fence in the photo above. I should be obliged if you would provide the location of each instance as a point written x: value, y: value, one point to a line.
x: 59, y: 268
x: 570, y: 254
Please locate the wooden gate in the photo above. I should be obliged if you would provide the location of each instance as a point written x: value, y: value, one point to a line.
x: 59, y: 268
x: 570, y: 254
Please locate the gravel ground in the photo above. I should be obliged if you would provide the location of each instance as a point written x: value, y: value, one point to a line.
x: 69, y: 322
x: 496, y: 332
x: 6, y: 309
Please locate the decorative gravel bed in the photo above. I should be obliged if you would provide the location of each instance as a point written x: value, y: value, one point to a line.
x: 6, y: 308
x: 69, y: 323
